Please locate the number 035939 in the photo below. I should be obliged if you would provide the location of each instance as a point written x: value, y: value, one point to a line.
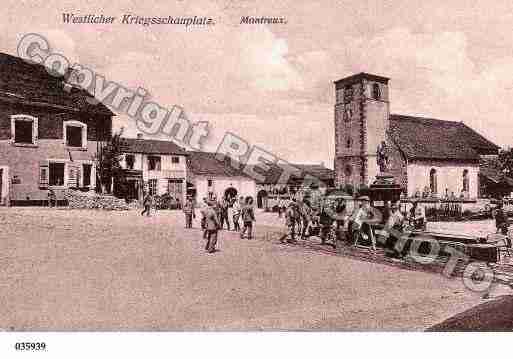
x: 30, y: 346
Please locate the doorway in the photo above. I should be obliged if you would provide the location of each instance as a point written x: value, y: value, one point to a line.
x: 230, y: 193
x: 262, y: 199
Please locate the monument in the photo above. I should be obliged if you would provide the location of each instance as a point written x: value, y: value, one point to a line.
x: 384, y: 187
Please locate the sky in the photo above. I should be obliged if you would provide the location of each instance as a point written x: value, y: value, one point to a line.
x: 273, y: 84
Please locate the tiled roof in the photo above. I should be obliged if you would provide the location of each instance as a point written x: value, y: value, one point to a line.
x: 272, y: 176
x: 135, y: 145
x: 206, y: 163
x: 428, y: 138
x: 31, y: 84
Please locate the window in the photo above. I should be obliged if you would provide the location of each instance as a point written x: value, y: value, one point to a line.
x: 24, y: 129
x: 56, y: 177
x: 466, y: 184
x: 349, y: 142
x: 348, y: 94
x: 376, y: 92
x: 433, y: 185
x: 348, y: 171
x: 175, y: 159
x: 75, y: 134
x: 86, y: 170
x: 210, y: 183
x: 130, y: 161
x: 152, y: 186
x: 154, y: 163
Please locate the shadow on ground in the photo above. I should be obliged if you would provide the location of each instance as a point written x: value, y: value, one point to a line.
x: 494, y: 315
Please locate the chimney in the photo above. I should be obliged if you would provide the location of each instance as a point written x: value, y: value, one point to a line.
x: 139, y: 136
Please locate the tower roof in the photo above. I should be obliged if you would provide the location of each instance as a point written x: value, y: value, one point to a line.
x: 359, y: 77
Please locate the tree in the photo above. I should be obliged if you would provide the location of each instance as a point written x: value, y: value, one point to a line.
x: 505, y: 162
x: 109, y: 163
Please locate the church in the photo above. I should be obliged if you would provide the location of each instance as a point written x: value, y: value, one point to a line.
x: 423, y: 154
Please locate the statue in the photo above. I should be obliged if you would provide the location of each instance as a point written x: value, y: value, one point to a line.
x: 382, y: 157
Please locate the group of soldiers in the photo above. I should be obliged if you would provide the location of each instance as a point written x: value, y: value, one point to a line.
x: 332, y: 220
x: 215, y: 214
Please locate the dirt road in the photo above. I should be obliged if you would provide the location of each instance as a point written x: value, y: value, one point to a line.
x: 94, y: 270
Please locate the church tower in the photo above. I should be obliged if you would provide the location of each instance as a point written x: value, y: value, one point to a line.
x: 361, y: 123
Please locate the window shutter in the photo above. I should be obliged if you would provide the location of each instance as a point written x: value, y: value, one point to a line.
x: 44, y: 174
x: 72, y: 176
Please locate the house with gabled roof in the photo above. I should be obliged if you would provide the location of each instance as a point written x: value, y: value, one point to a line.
x: 296, y: 177
x: 210, y: 177
x: 49, y: 135
x: 155, y: 166
x: 423, y: 154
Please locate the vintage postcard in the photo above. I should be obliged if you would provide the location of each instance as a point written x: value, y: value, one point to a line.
x: 255, y: 166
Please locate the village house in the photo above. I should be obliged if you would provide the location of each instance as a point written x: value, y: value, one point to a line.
x: 49, y: 137
x: 306, y: 176
x: 212, y: 178
x: 423, y: 154
x: 157, y: 166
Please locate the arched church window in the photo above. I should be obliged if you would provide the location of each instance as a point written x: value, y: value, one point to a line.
x: 466, y: 183
x: 433, y: 186
x: 376, y: 92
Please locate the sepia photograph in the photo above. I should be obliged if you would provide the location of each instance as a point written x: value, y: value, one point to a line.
x: 255, y: 167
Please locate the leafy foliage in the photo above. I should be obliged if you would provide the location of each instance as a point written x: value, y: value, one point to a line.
x: 109, y: 163
x: 505, y: 161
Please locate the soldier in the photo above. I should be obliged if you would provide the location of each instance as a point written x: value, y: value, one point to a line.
x: 292, y: 218
x: 223, y: 213
x: 362, y: 221
x: 394, y: 229
x: 203, y: 211
x: 237, y: 208
x: 147, y: 202
x: 501, y: 219
x: 418, y: 216
x: 188, y: 210
x: 248, y: 217
x: 326, y: 219
x: 212, y: 226
x: 306, y: 214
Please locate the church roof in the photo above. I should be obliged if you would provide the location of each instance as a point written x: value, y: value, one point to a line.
x: 429, y: 138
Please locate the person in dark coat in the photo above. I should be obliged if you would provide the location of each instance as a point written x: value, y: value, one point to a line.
x: 147, y: 201
x: 223, y: 213
x: 212, y: 226
x: 188, y: 210
x: 326, y: 220
x: 248, y: 217
x: 501, y: 220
